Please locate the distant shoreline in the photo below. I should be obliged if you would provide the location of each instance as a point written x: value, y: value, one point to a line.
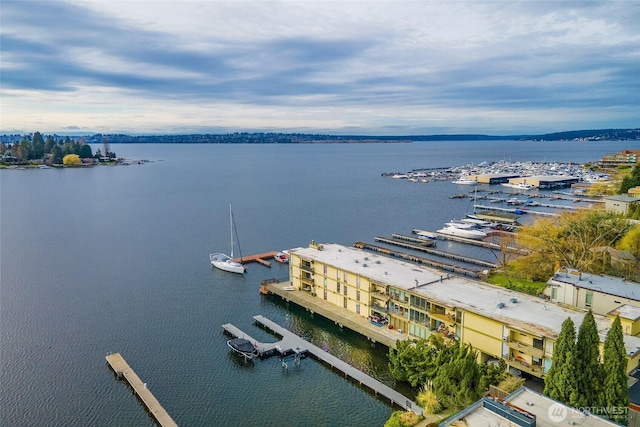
x: 299, y: 138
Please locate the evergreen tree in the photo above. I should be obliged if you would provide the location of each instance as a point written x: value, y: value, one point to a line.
x: 616, y: 393
x: 561, y: 382
x: 589, y: 371
x: 37, y: 143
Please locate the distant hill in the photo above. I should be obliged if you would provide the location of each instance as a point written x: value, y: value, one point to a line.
x: 299, y: 138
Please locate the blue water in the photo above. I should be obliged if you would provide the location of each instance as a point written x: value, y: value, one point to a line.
x: 116, y: 259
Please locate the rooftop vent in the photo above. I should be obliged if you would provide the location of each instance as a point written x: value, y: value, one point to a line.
x: 513, y: 300
x: 366, y: 258
x: 500, y: 305
x: 377, y: 261
x: 364, y: 265
x: 356, y: 261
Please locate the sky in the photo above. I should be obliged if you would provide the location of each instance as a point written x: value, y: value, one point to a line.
x: 358, y: 67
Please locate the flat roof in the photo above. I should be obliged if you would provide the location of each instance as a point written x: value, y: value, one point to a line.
x: 621, y: 198
x: 528, y: 313
x: 548, y: 412
x: 626, y: 311
x: 616, y: 286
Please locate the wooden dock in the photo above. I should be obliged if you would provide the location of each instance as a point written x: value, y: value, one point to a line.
x: 436, y: 252
x: 421, y: 260
x: 296, y: 344
x: 122, y: 369
x: 259, y: 258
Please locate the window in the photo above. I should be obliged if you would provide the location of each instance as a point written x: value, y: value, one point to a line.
x: 324, y: 269
x: 358, y: 295
x: 357, y: 281
x: 325, y: 294
x: 344, y: 276
x: 537, y: 343
x: 325, y: 282
x: 338, y: 288
x: 345, y: 289
x: 588, y: 299
x: 357, y: 308
x: 344, y: 302
x: 554, y: 294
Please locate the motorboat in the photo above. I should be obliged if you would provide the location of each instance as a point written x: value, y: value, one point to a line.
x: 226, y: 262
x: 464, y: 180
x: 244, y: 347
x: 520, y: 186
x: 467, y: 233
x: 282, y: 257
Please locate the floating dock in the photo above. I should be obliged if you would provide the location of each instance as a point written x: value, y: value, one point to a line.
x: 122, y: 369
x: 421, y: 260
x: 435, y: 252
x: 259, y: 258
x: 293, y: 343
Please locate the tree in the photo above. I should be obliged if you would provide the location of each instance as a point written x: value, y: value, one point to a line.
x: 616, y: 393
x: 568, y: 239
x: 588, y: 367
x: 56, y: 154
x: 457, y: 383
x: 561, y: 382
x: 630, y: 242
x: 631, y: 180
x: 85, y: 151
x: 37, y: 143
x: 49, y: 144
x: 71, y: 159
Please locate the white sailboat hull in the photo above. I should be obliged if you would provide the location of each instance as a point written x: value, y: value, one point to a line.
x: 226, y: 263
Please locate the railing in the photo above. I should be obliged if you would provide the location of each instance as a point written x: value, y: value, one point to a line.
x: 526, y: 348
x: 306, y: 268
x: 525, y: 367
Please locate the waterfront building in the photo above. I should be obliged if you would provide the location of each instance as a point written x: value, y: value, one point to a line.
x: 598, y: 292
x: 619, y: 204
x: 528, y: 408
x: 624, y: 158
x: 418, y: 301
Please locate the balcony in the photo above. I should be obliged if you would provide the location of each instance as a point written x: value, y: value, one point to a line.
x: 523, y: 366
x: 308, y: 268
x: 525, y: 348
x: 379, y: 308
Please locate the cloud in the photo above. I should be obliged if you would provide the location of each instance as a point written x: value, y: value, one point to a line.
x: 369, y: 67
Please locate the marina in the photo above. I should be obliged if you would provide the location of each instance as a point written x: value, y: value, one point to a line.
x: 123, y: 370
x: 293, y: 344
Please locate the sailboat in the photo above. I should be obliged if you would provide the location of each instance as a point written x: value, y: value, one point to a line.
x: 223, y: 261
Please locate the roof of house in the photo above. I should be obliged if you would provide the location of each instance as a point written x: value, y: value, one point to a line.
x: 547, y: 412
x: 597, y: 282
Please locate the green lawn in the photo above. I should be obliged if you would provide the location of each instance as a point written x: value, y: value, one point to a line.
x: 520, y: 285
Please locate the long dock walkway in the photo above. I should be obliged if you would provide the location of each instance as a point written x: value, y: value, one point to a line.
x: 292, y: 342
x: 259, y: 258
x: 122, y: 368
x: 436, y: 252
x: 418, y: 259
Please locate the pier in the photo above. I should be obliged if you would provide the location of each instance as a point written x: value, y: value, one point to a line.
x: 436, y: 252
x: 421, y: 260
x: 481, y: 243
x: 259, y: 258
x: 122, y: 369
x: 293, y: 343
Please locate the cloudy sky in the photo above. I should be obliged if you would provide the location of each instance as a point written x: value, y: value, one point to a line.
x: 350, y: 67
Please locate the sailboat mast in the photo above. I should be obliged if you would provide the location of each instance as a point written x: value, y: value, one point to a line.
x: 231, y: 228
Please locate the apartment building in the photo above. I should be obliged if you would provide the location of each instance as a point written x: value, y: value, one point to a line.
x: 419, y: 301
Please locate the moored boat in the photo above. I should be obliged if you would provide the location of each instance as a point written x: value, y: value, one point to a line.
x: 467, y: 233
x: 244, y: 347
x: 282, y: 257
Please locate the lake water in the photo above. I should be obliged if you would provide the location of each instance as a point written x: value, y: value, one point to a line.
x: 112, y: 259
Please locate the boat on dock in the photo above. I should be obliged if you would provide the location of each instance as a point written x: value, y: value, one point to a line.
x: 520, y: 186
x: 243, y: 347
x: 467, y: 233
x: 282, y: 257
